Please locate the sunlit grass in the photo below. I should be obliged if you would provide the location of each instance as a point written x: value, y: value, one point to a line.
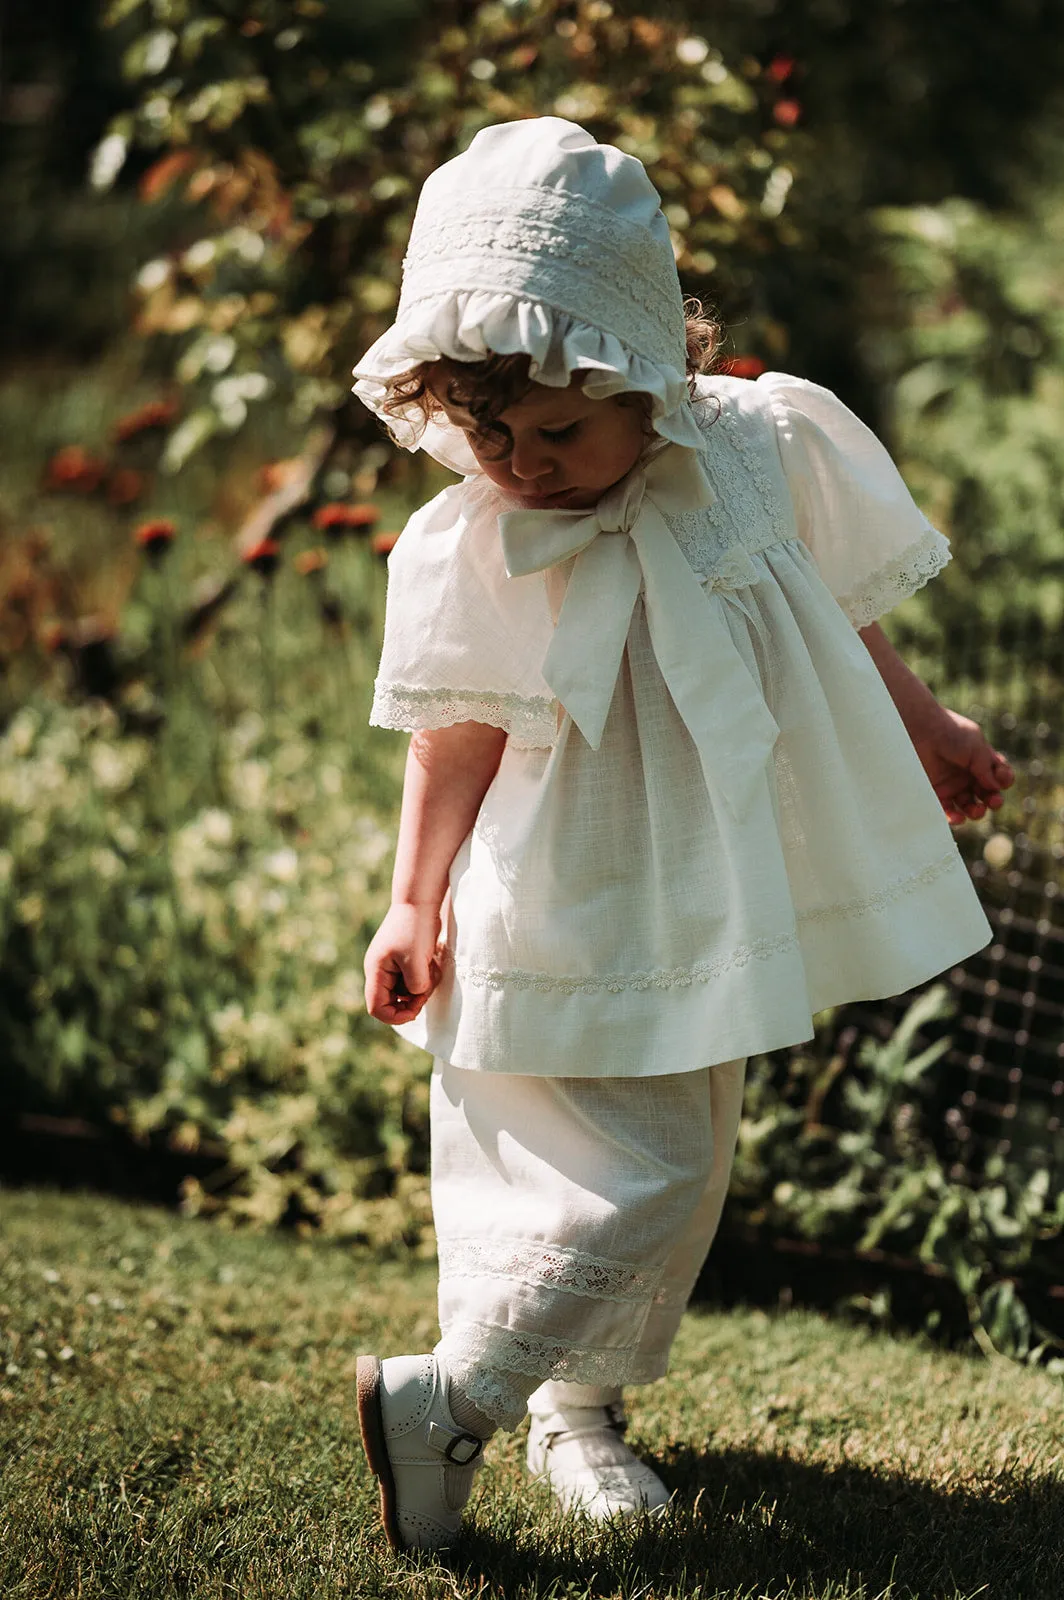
x: 177, y: 1418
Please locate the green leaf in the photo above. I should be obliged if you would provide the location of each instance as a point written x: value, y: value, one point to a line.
x: 119, y: 10
x: 150, y: 54
x: 197, y: 34
x: 188, y: 437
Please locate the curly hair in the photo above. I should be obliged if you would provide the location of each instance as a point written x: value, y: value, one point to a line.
x: 491, y: 386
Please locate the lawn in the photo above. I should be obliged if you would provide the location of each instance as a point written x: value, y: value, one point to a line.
x: 177, y: 1419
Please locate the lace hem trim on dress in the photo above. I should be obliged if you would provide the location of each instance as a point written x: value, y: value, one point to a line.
x: 899, y: 579
x: 616, y: 983
x: 706, y: 971
x: 887, y: 895
x: 571, y: 1271
x: 531, y: 723
x: 489, y: 1363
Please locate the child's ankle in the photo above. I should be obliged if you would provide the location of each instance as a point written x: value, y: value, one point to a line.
x: 466, y: 1414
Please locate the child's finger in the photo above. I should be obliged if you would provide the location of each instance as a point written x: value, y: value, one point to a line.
x: 391, y: 998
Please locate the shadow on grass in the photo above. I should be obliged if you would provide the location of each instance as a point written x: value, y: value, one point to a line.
x: 760, y: 1524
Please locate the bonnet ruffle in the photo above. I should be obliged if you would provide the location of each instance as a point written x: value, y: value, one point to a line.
x: 538, y: 240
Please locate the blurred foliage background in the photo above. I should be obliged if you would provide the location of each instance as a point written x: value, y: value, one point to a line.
x: 206, y: 204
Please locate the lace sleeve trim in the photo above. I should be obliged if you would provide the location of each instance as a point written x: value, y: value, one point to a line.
x: 530, y: 723
x: 896, y: 581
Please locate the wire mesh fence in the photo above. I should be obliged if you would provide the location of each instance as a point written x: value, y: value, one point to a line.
x: 1000, y: 1086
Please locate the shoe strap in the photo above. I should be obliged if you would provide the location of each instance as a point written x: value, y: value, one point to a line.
x: 458, y: 1448
x: 577, y: 1422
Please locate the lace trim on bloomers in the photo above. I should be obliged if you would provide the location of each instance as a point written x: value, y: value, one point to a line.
x: 897, y: 580
x: 571, y: 1271
x: 530, y: 723
x: 488, y: 1362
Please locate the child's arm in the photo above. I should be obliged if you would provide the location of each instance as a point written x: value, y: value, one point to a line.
x: 448, y: 773
x: 967, y: 773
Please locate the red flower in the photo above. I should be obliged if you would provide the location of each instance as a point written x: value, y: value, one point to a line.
x: 786, y: 112
x: 336, y: 518
x: 779, y: 69
x: 263, y: 557
x: 124, y: 486
x: 155, y: 537
x: 156, y: 414
x: 73, y: 468
x: 743, y: 366
x: 382, y: 544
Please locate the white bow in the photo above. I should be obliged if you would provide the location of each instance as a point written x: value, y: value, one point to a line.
x: 710, y: 683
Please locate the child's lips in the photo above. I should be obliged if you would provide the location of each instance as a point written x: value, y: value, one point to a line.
x: 545, y: 502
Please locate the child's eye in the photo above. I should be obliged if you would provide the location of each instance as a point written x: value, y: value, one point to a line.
x: 557, y: 435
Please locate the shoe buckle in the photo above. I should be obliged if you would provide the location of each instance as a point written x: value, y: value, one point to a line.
x: 460, y: 1449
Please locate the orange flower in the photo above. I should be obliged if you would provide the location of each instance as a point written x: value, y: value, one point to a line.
x: 156, y: 414
x: 786, y: 112
x: 51, y: 636
x: 382, y: 544
x: 649, y: 34
x: 155, y: 537
x: 74, y: 468
x: 163, y: 173
x: 263, y: 557
x: 743, y: 366
x: 124, y: 486
x: 308, y: 562
x: 337, y: 518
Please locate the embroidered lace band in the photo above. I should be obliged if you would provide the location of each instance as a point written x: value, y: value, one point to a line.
x: 710, y: 683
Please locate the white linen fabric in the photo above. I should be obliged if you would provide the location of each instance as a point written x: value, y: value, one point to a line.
x: 631, y: 909
x: 572, y: 1220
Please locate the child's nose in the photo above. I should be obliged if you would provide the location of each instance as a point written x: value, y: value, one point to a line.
x: 530, y: 458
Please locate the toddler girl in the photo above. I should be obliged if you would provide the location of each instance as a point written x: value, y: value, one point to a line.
x: 669, y: 792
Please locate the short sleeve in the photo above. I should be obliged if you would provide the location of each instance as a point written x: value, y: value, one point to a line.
x: 463, y: 641
x: 872, y: 544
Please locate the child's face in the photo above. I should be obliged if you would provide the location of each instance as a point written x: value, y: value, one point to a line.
x: 558, y: 448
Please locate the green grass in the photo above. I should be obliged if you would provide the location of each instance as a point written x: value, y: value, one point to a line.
x: 177, y: 1419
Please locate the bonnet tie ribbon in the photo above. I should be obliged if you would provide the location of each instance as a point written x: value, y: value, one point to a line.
x: 710, y: 684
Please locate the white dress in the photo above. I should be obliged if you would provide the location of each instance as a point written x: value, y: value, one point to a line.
x: 609, y: 915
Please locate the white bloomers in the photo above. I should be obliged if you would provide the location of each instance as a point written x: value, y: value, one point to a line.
x: 572, y: 1217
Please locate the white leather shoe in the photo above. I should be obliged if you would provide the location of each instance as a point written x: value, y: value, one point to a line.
x: 581, y: 1453
x: 424, y: 1461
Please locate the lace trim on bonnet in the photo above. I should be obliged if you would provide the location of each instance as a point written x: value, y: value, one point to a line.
x: 572, y: 265
x: 471, y: 324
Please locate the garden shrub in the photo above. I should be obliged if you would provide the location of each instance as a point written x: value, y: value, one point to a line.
x: 195, y: 970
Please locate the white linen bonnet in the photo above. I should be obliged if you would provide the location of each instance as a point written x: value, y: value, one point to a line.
x: 540, y: 241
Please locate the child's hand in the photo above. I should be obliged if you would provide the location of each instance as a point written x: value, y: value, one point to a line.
x: 403, y: 963
x: 966, y: 772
